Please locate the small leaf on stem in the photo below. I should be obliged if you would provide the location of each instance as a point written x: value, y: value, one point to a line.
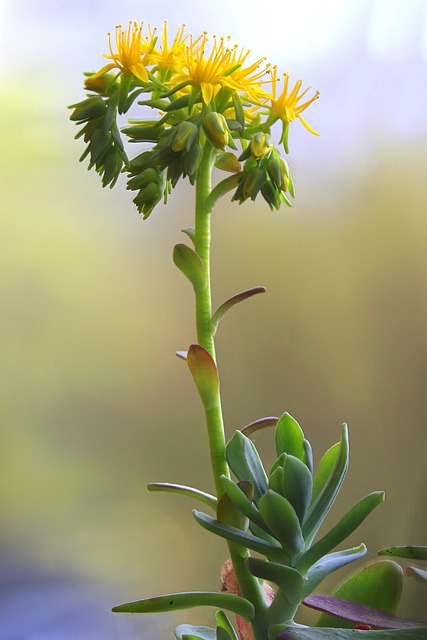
x: 205, y: 375
x: 239, y: 297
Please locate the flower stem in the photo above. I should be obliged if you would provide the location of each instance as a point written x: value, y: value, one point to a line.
x: 205, y: 337
x: 249, y: 585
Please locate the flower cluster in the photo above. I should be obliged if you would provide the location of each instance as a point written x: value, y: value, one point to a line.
x: 204, y: 95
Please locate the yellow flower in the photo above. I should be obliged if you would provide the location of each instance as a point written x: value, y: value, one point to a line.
x: 171, y: 57
x: 285, y: 106
x: 133, y: 52
x: 221, y: 68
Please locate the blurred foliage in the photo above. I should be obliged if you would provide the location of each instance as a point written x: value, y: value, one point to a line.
x: 94, y: 402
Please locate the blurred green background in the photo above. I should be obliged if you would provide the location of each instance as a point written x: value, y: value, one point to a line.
x: 94, y: 404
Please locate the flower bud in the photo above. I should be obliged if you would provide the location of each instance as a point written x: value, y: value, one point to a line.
x: 183, y: 135
x: 216, y: 130
x: 88, y: 109
x: 261, y: 145
x: 99, y: 84
x: 227, y: 161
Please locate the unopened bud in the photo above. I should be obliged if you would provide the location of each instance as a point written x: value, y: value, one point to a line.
x: 216, y: 130
x: 261, y: 145
x: 183, y: 136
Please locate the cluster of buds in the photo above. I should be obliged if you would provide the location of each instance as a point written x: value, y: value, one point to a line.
x: 264, y: 171
x: 200, y: 101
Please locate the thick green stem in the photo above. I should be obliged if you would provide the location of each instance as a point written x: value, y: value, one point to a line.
x: 202, y: 236
x: 249, y: 585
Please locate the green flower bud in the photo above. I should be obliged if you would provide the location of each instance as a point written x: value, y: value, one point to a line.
x: 261, y: 145
x: 227, y: 161
x: 183, y: 135
x: 100, y: 84
x: 88, y: 109
x: 252, y: 183
x: 216, y: 130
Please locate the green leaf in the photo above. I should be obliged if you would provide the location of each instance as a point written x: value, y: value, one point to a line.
x: 292, y: 633
x: 289, y: 437
x: 324, y: 500
x: 289, y: 580
x: 348, y: 523
x: 238, y: 297
x: 190, y: 632
x: 191, y: 265
x: 282, y: 521
x: 224, y: 623
x: 377, y: 585
x: 242, y: 502
x: 245, y: 462
x: 208, y: 499
x: 329, y: 563
x: 298, y: 485
x: 187, y: 600
x: 272, y: 551
x: 408, y: 551
x: 205, y: 375
x: 325, y: 468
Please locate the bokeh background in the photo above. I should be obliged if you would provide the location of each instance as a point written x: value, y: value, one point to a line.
x: 94, y: 404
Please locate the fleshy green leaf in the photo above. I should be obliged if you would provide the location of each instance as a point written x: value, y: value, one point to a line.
x: 238, y: 297
x: 224, y: 623
x: 187, y: 600
x: 282, y: 521
x: 377, y: 585
x: 289, y: 437
x: 298, y: 484
x: 205, y: 375
x: 289, y: 580
x: 191, y: 265
x: 330, y: 563
x: 408, y: 551
x: 190, y: 632
x: 348, y: 523
x: 355, y: 613
x: 322, y: 503
x: 242, y: 502
x: 245, y: 462
x: 185, y: 491
x: 272, y: 551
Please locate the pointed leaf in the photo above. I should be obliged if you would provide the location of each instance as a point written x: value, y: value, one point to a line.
x: 275, y: 552
x: 325, y: 468
x: 289, y: 580
x: 187, y: 600
x: 238, y: 297
x: 191, y: 265
x: 185, y: 491
x: 223, y: 622
x: 257, y: 425
x: 242, y: 502
x: 409, y: 551
x: 293, y: 633
x: 377, y: 585
x: 329, y: 563
x: 205, y: 375
x: 298, y: 485
x: 245, y: 462
x: 290, y: 437
x: 321, y: 505
x: 348, y: 523
x: 421, y: 574
x: 356, y: 613
x: 190, y: 632
x: 282, y: 521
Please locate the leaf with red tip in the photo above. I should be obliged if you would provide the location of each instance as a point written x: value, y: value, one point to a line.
x: 294, y: 633
x: 257, y: 425
x: 378, y: 585
x: 239, y: 297
x: 205, y: 375
x: 191, y: 265
x: 359, y: 613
